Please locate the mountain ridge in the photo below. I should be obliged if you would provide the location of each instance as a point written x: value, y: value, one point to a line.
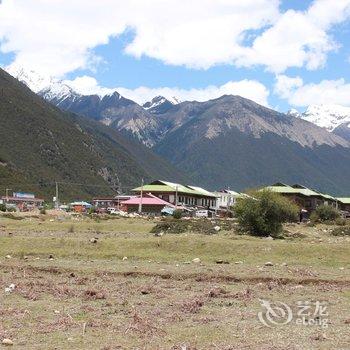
x: 41, y: 145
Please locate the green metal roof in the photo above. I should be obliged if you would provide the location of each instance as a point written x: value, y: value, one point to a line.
x: 154, y: 188
x: 283, y: 189
x: 166, y: 186
x: 300, y: 190
x: 344, y: 200
x: 202, y: 191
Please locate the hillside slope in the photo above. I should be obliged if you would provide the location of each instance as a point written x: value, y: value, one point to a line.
x: 232, y: 141
x: 40, y: 144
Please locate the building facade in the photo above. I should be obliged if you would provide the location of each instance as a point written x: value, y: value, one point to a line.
x: 304, y: 197
x: 148, y: 204
x: 23, y: 201
x: 179, y: 195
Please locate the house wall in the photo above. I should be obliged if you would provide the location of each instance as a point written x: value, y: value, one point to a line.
x: 186, y: 199
x: 224, y: 200
x: 149, y: 209
x: 308, y: 203
x: 345, y: 207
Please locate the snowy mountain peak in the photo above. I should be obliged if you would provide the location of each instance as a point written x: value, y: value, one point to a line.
x: 156, y: 101
x: 159, y: 101
x: 47, y: 87
x: 32, y: 79
x: 327, y: 116
x: 294, y: 113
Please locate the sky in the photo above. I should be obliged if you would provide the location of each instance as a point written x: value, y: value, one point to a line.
x: 283, y: 54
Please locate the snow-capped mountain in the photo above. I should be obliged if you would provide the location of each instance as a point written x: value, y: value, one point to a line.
x: 45, y: 86
x: 326, y: 116
x: 160, y: 104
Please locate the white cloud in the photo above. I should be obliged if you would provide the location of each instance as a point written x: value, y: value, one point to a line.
x: 284, y: 85
x: 325, y: 92
x: 298, y: 38
x: 251, y: 89
x: 58, y: 36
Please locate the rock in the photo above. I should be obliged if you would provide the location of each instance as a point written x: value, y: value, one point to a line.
x: 159, y: 234
x: 196, y: 260
x: 93, y: 240
x: 7, y: 341
x: 238, y: 262
x: 125, y: 258
x: 222, y: 262
x: 269, y: 238
x: 57, y: 312
x: 284, y: 264
x: 8, y: 256
x: 341, y: 268
x: 8, y: 290
x: 269, y: 263
x: 217, y: 228
x: 12, y: 286
x: 51, y: 257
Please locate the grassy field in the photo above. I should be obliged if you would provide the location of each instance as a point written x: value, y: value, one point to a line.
x: 111, y: 284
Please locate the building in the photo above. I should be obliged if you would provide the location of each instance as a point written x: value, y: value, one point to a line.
x: 103, y: 203
x: 23, y: 201
x: 178, y: 194
x: 344, y: 203
x: 226, y: 199
x: 149, y: 203
x: 304, y: 197
x: 80, y: 206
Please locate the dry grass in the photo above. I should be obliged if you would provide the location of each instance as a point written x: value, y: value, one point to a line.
x: 87, y: 296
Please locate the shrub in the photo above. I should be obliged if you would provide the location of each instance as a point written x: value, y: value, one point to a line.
x: 264, y: 213
x: 177, y: 214
x: 341, y: 222
x: 43, y: 211
x: 325, y: 213
x: 341, y: 231
x: 2, y: 207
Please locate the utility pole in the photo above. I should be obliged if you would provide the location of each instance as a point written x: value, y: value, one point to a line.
x: 7, y: 194
x: 176, y: 201
x: 56, y: 202
x: 140, y: 205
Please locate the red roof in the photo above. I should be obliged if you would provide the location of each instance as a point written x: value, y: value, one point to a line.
x: 147, y: 199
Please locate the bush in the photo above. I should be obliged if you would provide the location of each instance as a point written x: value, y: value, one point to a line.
x: 264, y: 213
x: 325, y: 213
x: 43, y: 211
x: 177, y: 214
x: 341, y: 231
x: 2, y: 207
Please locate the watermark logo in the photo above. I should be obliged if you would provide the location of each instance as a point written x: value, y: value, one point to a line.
x: 277, y: 313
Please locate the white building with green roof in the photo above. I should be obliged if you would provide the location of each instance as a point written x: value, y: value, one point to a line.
x: 178, y: 194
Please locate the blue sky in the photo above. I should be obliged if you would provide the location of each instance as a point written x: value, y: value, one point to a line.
x: 279, y: 53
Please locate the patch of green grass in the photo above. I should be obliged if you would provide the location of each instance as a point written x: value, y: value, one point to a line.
x: 178, y: 248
